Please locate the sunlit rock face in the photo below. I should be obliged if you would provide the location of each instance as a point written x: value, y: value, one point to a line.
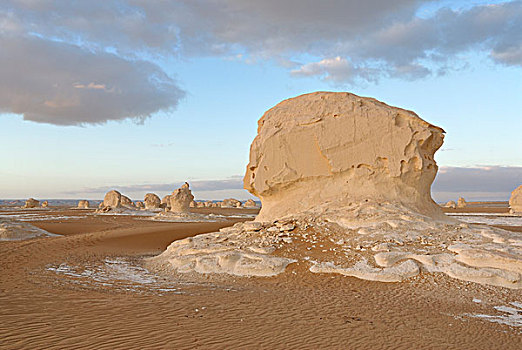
x: 83, y: 204
x: 152, y: 201
x: 112, y: 199
x: 515, y: 201
x: 180, y: 199
x: 329, y: 149
x: 31, y: 203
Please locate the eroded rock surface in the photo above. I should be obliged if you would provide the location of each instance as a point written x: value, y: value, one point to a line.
x: 231, y: 203
x: 83, y: 204
x: 180, y: 199
x: 515, y: 201
x: 450, y: 204
x: 461, y: 203
x: 337, y: 147
x: 31, y: 203
x: 152, y: 201
x: 250, y: 203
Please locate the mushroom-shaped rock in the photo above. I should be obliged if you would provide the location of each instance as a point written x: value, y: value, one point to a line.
x: 180, y: 199
x: 338, y: 148
x: 83, y: 204
x: 461, y: 203
x: 112, y: 199
x: 31, y: 203
x: 139, y: 205
x: 250, y: 203
x: 45, y: 204
x: 450, y: 204
x: 230, y: 203
x: 515, y: 201
x: 152, y: 201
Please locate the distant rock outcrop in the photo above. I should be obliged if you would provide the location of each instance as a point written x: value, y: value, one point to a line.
x: 461, y: 203
x: 250, y: 203
x: 31, y: 203
x: 230, y: 203
x: 112, y: 199
x: 127, y: 202
x: 180, y: 199
x: 139, y: 205
x: 83, y: 204
x: 515, y: 201
x: 152, y: 201
x: 165, y: 202
x: 45, y: 204
x: 450, y: 204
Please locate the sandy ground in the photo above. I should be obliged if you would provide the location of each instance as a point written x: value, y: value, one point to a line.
x: 88, y: 289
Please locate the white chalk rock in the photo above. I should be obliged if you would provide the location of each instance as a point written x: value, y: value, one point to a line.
x: 112, y: 199
x: 127, y: 202
x: 250, y: 203
x: 336, y: 147
x: 165, y: 202
x: 180, y: 199
x: 515, y: 201
x: 230, y: 203
x: 461, y: 203
x: 31, y: 203
x: 151, y: 201
x: 450, y: 204
x: 139, y: 205
x: 45, y: 204
x: 83, y: 204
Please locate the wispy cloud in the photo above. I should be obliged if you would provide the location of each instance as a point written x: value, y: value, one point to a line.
x: 232, y: 183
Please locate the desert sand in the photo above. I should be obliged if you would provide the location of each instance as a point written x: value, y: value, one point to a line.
x: 88, y: 288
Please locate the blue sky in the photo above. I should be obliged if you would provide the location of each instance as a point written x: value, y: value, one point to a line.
x: 188, y: 103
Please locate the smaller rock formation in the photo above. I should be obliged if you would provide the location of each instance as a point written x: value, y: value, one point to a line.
x: 139, y: 205
x: 515, y: 201
x: 112, y: 199
x: 151, y: 201
x: 193, y: 204
x: 45, y: 204
x: 450, y: 204
x: 126, y: 202
x: 461, y: 203
x: 83, y: 204
x: 180, y: 199
x: 200, y: 205
x: 250, y: 204
x: 31, y: 203
x: 230, y: 203
x: 165, y: 202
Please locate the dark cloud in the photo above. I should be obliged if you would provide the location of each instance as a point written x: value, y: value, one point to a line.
x: 63, y: 84
x: 487, y: 182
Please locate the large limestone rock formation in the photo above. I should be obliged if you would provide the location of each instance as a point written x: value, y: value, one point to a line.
x: 180, y: 199
x: 515, y: 201
x: 349, y: 179
x: 83, y: 204
x: 337, y: 148
x: 152, y: 201
x: 31, y: 203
